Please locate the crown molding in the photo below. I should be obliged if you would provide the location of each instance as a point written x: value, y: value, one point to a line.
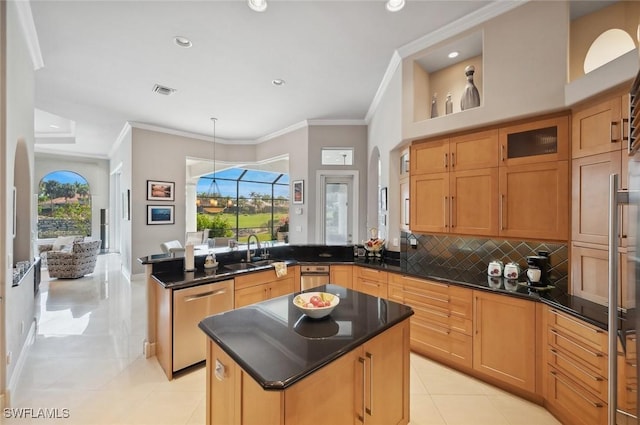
x: 30, y: 34
x: 39, y: 149
x: 336, y: 122
x: 190, y: 135
x: 456, y: 27
x: 294, y: 127
x: 394, y: 63
x: 126, y: 128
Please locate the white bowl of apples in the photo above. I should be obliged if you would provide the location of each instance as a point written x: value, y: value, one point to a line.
x: 374, y: 244
x: 316, y: 305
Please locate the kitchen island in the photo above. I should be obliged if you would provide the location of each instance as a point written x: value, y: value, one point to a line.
x: 267, y: 363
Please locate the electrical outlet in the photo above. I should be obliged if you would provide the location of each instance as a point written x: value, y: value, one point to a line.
x: 298, y: 228
x: 395, y: 242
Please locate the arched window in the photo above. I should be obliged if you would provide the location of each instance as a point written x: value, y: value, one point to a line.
x: 609, y: 45
x: 64, y: 205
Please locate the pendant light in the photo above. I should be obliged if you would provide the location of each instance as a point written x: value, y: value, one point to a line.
x: 214, y: 185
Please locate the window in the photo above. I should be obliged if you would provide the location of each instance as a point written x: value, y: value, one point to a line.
x: 239, y: 201
x: 337, y: 156
x: 64, y: 205
x: 609, y: 45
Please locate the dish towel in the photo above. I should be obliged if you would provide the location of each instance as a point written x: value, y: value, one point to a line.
x: 281, y: 268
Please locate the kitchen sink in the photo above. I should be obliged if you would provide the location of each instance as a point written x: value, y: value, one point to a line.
x: 248, y: 266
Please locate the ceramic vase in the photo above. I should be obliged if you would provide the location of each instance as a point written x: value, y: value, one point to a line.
x: 470, y: 96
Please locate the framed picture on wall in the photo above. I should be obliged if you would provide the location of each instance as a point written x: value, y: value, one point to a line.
x: 160, y: 214
x: 298, y: 192
x: 160, y: 191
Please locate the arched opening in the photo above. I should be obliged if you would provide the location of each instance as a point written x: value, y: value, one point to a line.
x: 21, y: 200
x: 609, y: 45
x: 64, y: 205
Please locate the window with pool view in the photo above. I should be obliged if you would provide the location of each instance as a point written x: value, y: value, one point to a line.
x: 236, y: 202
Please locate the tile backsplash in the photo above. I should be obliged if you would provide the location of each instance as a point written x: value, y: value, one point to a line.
x: 469, y: 254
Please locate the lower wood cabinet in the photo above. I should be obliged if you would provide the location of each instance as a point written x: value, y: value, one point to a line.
x: 370, y: 281
x: 504, y: 339
x: 342, y: 275
x: 368, y: 385
x: 261, y: 286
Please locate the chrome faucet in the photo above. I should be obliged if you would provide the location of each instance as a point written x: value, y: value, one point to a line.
x: 249, y: 254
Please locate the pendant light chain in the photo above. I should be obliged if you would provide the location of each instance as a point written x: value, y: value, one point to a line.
x: 214, y: 185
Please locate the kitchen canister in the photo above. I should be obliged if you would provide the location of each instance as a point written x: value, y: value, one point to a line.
x: 512, y: 270
x: 495, y: 268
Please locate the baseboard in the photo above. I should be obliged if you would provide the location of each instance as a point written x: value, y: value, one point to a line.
x: 149, y: 349
x: 22, y: 360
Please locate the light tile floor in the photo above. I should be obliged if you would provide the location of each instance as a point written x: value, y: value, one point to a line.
x: 87, y: 358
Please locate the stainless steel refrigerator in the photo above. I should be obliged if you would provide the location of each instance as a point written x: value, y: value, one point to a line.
x: 623, y: 324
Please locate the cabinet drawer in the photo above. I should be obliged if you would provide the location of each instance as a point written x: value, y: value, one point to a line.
x: 568, y: 396
x: 371, y: 287
x: 461, y: 302
x: 415, y: 284
x: 427, y: 298
x: 395, y: 293
x: 577, y: 329
x: 432, y: 339
x: 372, y: 274
x: 431, y: 313
x: 585, y: 355
x: 591, y: 380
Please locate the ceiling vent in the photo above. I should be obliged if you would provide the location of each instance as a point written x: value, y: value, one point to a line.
x: 157, y: 88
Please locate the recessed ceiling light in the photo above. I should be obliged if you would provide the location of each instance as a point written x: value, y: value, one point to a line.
x: 182, y: 41
x: 278, y: 82
x: 453, y: 54
x: 258, y: 5
x: 395, y: 5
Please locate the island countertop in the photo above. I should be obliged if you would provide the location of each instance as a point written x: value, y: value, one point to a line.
x: 278, y: 345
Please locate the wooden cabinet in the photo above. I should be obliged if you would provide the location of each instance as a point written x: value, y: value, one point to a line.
x: 459, y: 195
x: 441, y: 326
x: 534, y: 201
x: 370, y: 281
x: 535, y: 141
x: 590, y: 274
x: 575, y: 371
x: 628, y: 375
x: 600, y: 127
x: 369, y: 384
x: 260, y: 286
x: 506, y: 182
x: 599, y: 142
x: 342, y: 275
x: 504, y: 339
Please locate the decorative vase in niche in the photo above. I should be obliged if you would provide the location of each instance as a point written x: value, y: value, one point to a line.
x: 434, y: 105
x: 470, y: 96
x: 448, y: 105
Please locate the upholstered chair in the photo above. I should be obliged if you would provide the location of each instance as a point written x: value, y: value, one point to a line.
x: 81, y: 260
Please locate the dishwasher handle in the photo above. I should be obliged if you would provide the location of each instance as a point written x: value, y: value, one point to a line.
x: 205, y: 294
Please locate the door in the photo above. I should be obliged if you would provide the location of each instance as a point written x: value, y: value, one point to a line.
x: 338, y: 221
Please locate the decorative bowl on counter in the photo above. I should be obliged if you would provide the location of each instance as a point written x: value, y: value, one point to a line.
x: 316, y: 305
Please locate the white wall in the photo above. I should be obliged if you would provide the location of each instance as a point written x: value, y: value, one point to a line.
x: 524, y: 70
x: 95, y: 171
x: 18, y: 106
x: 328, y: 136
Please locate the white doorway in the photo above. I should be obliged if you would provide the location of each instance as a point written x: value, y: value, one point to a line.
x: 338, y: 208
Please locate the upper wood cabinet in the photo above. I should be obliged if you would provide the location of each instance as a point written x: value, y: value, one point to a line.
x: 600, y: 127
x: 534, y: 201
x: 542, y: 140
x: 429, y: 202
x: 429, y: 157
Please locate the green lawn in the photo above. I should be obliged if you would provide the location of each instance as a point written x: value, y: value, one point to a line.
x: 252, y: 220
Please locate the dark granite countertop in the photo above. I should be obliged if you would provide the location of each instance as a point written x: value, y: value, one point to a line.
x: 277, y: 345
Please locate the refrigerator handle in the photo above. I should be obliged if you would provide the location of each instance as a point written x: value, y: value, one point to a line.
x: 613, y: 300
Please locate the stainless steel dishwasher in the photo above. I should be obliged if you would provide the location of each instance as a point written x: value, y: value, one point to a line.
x: 312, y: 275
x: 190, y: 306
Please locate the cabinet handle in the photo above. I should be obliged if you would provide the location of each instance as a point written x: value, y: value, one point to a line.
x: 553, y: 331
x: 555, y: 312
x: 370, y: 409
x: 364, y: 387
x: 624, y: 121
x: 446, y: 222
x: 205, y: 294
x: 453, y: 211
x: 568, y: 360
x: 446, y: 161
x: 613, y: 124
x: 569, y: 385
x: 440, y: 331
x: 220, y: 370
x: 502, y: 153
x: 453, y: 159
x: 501, y: 211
